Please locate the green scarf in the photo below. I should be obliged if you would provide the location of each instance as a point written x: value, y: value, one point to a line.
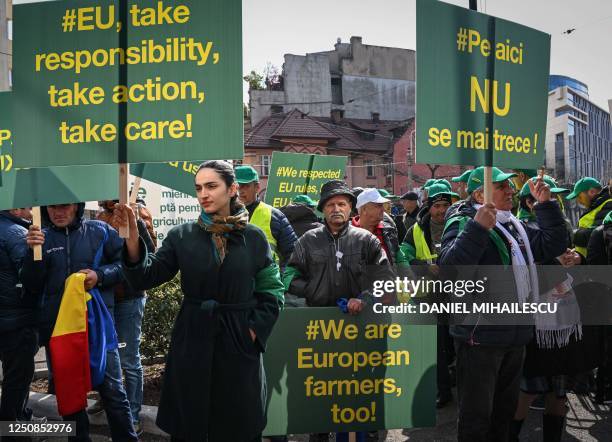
x: 525, y: 215
x: 220, y: 227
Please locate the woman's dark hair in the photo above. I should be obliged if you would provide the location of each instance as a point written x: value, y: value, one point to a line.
x: 225, y: 170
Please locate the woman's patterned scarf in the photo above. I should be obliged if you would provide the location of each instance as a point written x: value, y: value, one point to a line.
x: 220, y: 227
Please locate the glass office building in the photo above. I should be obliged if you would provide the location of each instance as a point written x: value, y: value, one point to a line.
x: 578, y: 133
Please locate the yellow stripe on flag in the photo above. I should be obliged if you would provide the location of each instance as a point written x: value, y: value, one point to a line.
x: 72, y: 316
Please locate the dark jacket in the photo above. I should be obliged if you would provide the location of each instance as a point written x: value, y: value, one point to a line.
x: 473, y: 246
x: 301, y: 217
x: 582, y: 234
x: 404, y: 222
x: 313, y: 265
x: 389, y: 234
x: 17, y: 309
x: 419, y: 266
x: 66, y: 251
x: 281, y: 230
x: 214, y: 374
x: 599, y: 251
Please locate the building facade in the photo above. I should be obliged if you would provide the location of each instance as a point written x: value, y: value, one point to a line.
x: 578, y: 133
x: 6, y: 44
x: 356, y: 79
x: 368, y: 144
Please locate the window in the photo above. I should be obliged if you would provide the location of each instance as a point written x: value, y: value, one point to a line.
x: 369, y: 164
x: 276, y: 109
x: 265, y: 165
x: 336, y: 90
x: 560, y: 155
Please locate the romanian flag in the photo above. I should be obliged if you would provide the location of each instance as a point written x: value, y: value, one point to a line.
x: 83, y: 333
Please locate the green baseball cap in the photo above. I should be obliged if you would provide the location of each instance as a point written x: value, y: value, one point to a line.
x: 477, y: 177
x: 582, y: 185
x: 428, y: 183
x: 246, y: 175
x: 444, y: 183
x: 439, y: 189
x: 463, y: 178
x: 525, y: 191
x: 385, y: 194
x: 305, y: 200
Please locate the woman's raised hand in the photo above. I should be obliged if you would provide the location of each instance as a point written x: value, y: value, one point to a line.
x: 123, y: 215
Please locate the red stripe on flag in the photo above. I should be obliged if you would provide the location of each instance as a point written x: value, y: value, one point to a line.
x: 71, y: 372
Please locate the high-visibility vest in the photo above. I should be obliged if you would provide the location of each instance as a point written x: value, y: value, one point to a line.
x: 262, y: 218
x: 587, y: 221
x: 422, y: 250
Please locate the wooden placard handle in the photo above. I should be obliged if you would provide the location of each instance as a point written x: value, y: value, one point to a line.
x: 488, y: 184
x: 37, y: 221
x: 135, y: 189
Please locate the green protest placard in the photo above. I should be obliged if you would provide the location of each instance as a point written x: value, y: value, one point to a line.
x: 482, y: 89
x: 44, y: 186
x: 138, y: 81
x: 177, y: 175
x: 293, y: 174
x: 369, y: 372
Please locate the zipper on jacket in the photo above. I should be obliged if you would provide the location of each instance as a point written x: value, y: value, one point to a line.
x: 68, y: 263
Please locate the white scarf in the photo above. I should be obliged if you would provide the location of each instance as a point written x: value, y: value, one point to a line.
x: 551, y: 329
x: 526, y: 283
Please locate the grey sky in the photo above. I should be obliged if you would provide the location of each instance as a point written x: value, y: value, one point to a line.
x: 275, y: 27
x: 272, y: 28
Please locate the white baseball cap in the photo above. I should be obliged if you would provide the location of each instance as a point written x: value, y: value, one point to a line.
x: 370, y: 196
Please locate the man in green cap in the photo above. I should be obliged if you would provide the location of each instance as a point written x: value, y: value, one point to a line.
x: 597, y: 201
x: 527, y: 201
x: 424, y: 188
x: 422, y: 242
x: 462, y: 180
x: 273, y: 222
x: 421, y: 247
x: 497, y: 248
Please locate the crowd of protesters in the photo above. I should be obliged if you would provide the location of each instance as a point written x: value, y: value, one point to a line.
x: 242, y: 259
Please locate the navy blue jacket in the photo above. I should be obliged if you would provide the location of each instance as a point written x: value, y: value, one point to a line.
x: 473, y: 246
x: 66, y: 251
x: 16, y: 309
x: 281, y: 230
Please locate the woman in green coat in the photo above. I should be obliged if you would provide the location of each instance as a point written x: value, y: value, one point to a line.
x: 214, y: 386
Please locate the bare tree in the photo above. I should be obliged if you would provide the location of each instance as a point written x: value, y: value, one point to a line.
x: 432, y: 169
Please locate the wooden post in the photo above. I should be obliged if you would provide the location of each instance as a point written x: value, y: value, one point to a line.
x: 37, y: 221
x: 135, y: 188
x: 488, y: 185
x: 124, y: 232
x: 352, y: 437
